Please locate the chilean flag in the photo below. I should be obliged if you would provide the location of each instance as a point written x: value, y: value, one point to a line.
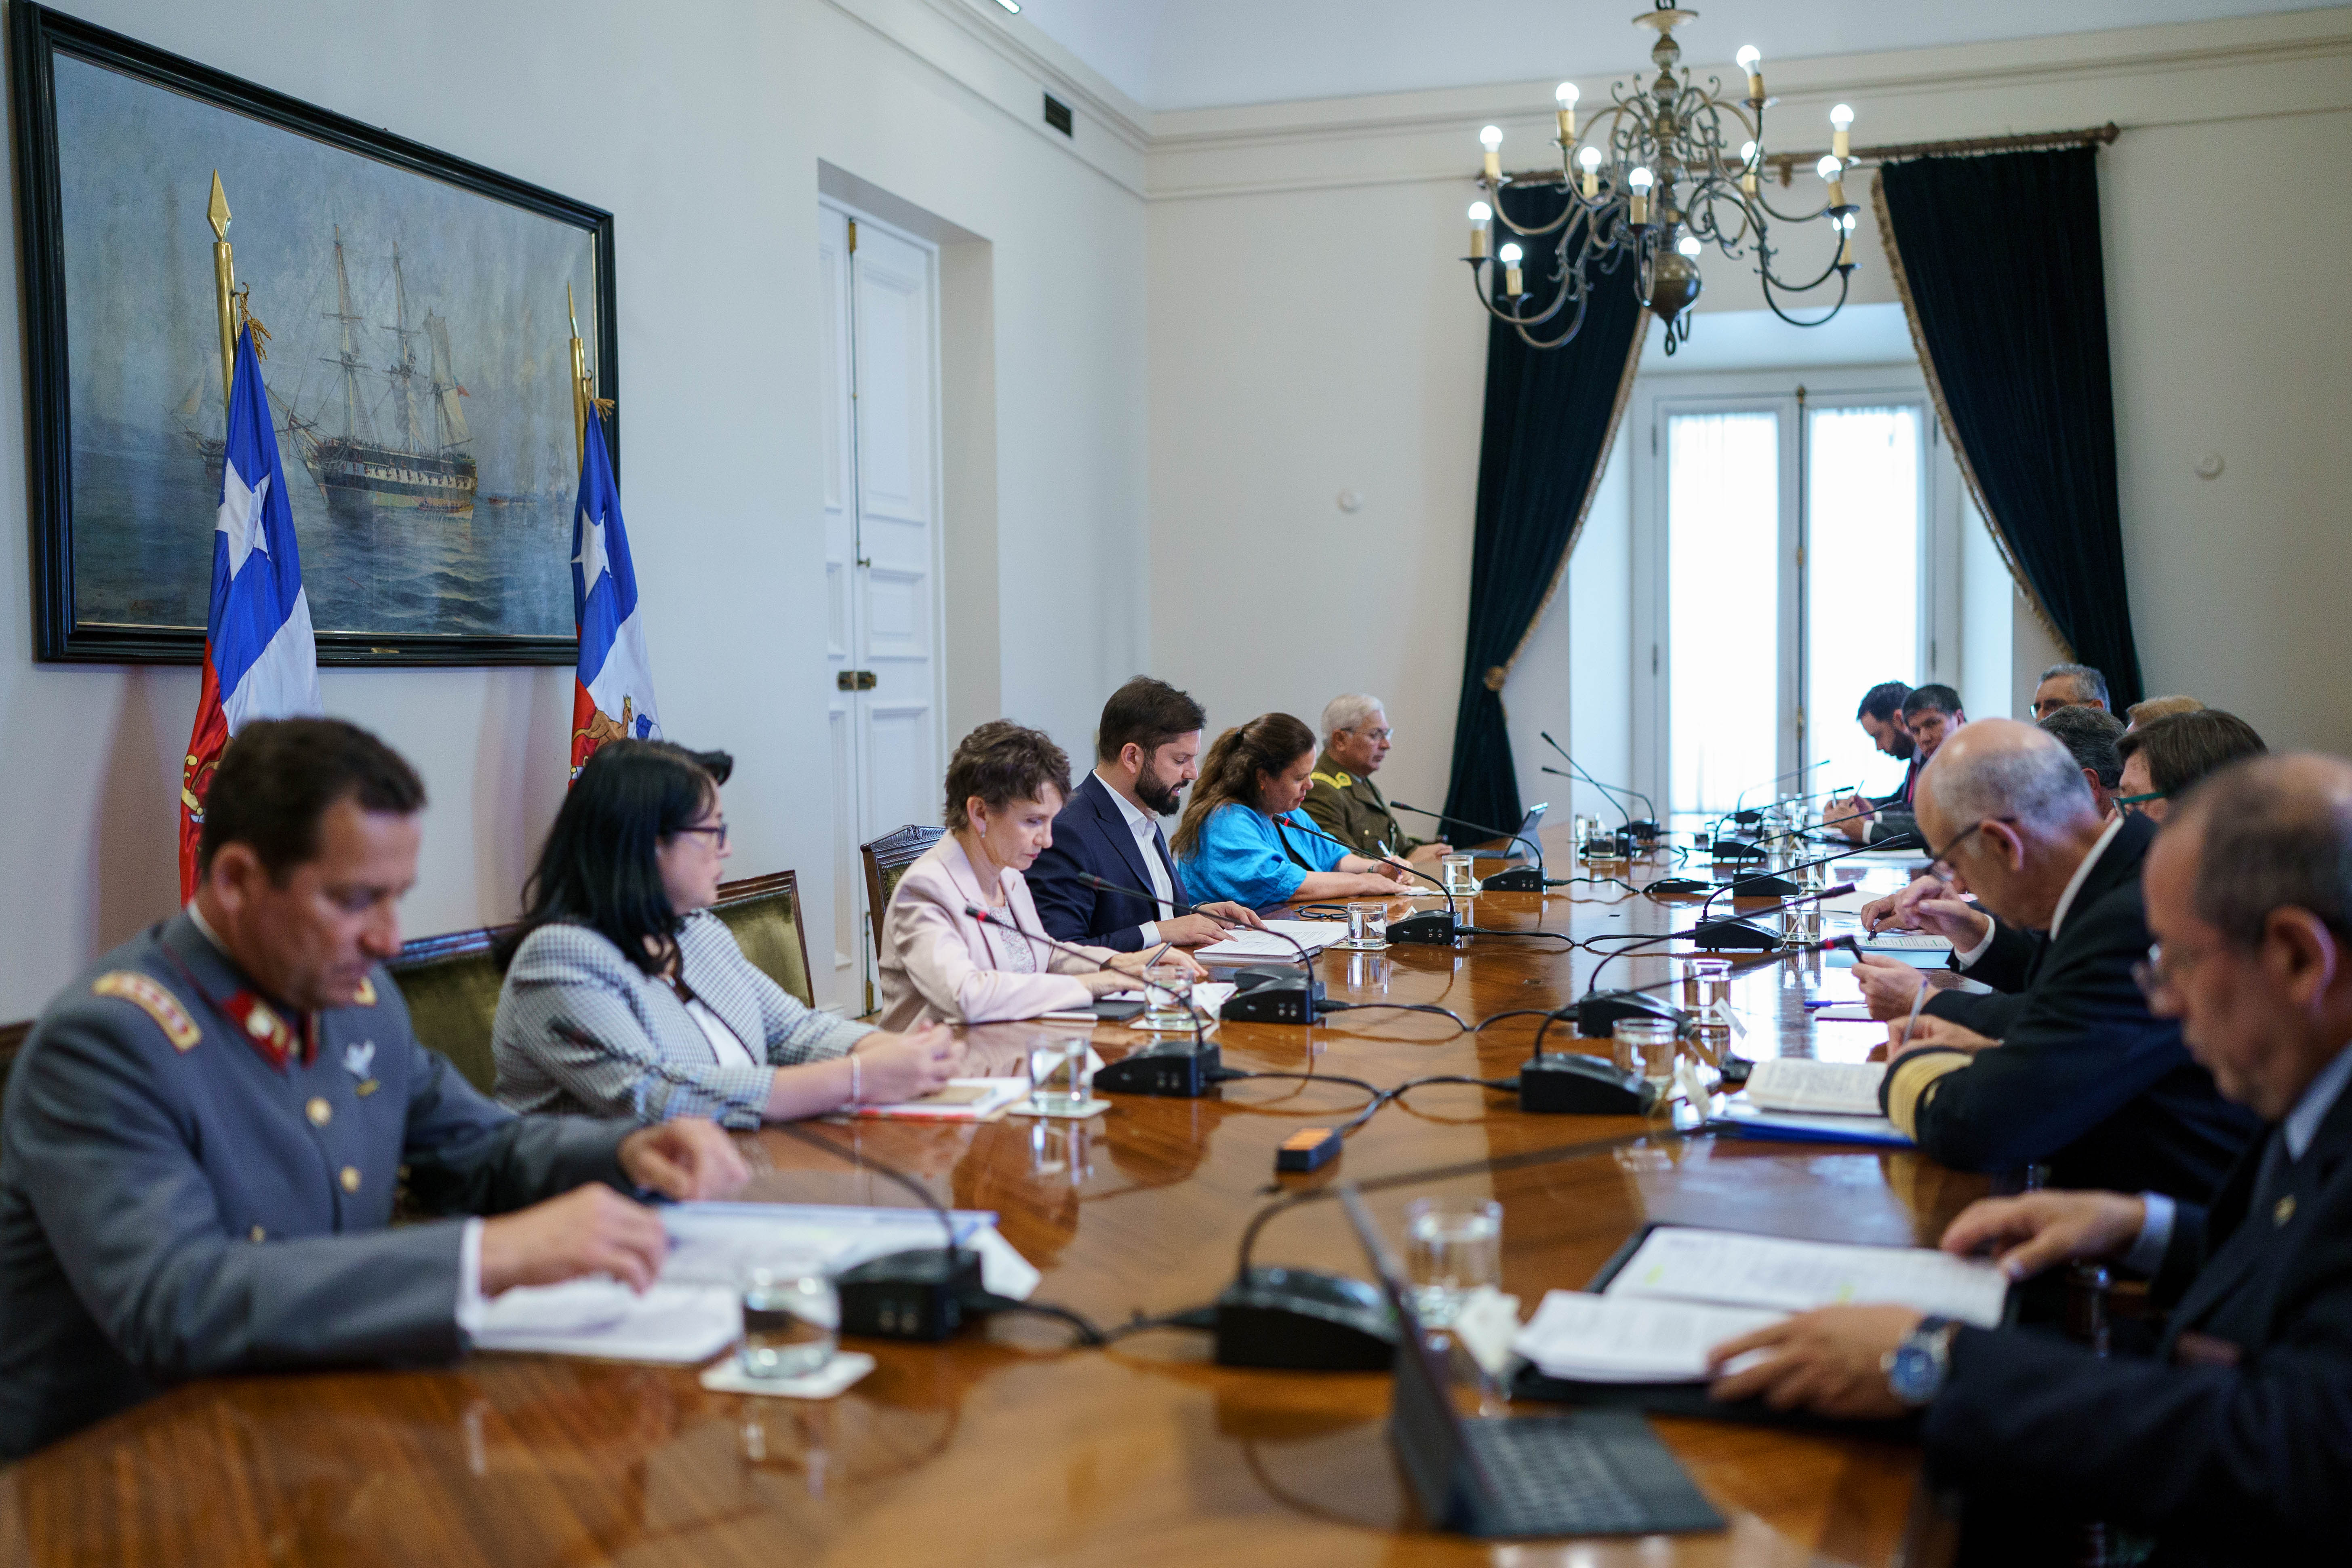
x: 260, y: 660
x: 612, y: 697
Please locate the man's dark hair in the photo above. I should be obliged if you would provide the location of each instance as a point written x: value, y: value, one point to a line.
x: 2091, y: 734
x: 278, y: 779
x: 2271, y: 841
x: 1882, y: 702
x: 1936, y: 695
x: 2182, y: 748
x: 600, y: 866
x: 1149, y: 712
x: 1001, y: 763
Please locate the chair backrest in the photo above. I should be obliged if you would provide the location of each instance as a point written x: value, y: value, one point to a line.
x: 886, y: 859
x: 12, y: 1040
x: 764, y: 913
x: 451, y: 985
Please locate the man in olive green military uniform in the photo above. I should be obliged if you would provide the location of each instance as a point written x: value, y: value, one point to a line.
x: 1342, y: 798
x: 203, y: 1135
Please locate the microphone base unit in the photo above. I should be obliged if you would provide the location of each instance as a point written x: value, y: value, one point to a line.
x: 1285, y: 1001
x: 1168, y: 1069
x: 1518, y: 879
x: 1735, y: 935
x: 1431, y: 928
x: 1764, y: 885
x: 1642, y: 828
x: 1300, y: 1319
x: 914, y: 1295
x: 1733, y: 849
x: 1572, y: 1084
x: 1678, y: 886
x: 1599, y: 1013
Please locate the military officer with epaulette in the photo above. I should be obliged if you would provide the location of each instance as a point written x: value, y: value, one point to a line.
x: 1340, y: 794
x: 202, y: 1137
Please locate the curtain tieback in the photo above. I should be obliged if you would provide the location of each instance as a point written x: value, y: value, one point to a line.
x: 1496, y: 675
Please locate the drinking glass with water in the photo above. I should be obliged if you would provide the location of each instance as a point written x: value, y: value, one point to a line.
x: 1166, y: 998
x: 792, y: 1316
x: 1061, y: 1075
x: 1460, y: 874
x: 1451, y: 1245
x: 1367, y: 927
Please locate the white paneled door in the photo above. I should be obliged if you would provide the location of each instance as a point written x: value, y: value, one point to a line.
x: 881, y: 555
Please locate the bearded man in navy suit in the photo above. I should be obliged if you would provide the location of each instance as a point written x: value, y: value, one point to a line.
x: 1148, y: 748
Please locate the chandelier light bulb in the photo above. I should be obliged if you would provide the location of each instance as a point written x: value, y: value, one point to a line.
x: 1590, y: 159
x: 1750, y: 57
x: 1481, y: 213
x: 1491, y: 138
x: 1510, y: 254
x: 1641, y: 180
x: 1841, y: 116
x: 1752, y: 63
x: 1828, y: 168
x: 1566, y: 95
x: 1688, y: 243
x: 1748, y: 152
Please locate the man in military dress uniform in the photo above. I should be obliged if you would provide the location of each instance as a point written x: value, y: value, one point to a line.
x: 1341, y: 797
x: 202, y: 1138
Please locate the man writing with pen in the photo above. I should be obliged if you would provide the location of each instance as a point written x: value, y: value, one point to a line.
x: 1905, y: 723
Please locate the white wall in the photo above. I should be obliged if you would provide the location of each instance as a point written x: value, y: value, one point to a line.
x: 1310, y: 328
x: 704, y: 139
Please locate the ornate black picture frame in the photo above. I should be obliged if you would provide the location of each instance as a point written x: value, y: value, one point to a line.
x: 418, y: 370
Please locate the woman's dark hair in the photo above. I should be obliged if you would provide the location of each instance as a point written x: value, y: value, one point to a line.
x: 598, y: 867
x: 1001, y: 763
x: 1268, y: 743
x: 2182, y: 748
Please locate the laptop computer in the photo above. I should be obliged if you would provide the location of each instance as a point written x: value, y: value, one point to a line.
x: 1597, y: 1472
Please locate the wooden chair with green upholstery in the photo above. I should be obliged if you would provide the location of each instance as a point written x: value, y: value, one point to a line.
x: 764, y: 913
x: 886, y: 859
x: 451, y: 985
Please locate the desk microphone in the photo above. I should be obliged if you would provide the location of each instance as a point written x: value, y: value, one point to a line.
x: 1520, y: 879
x: 1774, y: 885
x: 1750, y: 819
x: 1427, y: 928
x: 1272, y: 1001
x: 1183, y: 1069
x: 1737, y: 933
x: 1645, y: 828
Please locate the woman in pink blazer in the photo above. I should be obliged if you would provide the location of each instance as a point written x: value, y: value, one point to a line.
x: 1004, y: 786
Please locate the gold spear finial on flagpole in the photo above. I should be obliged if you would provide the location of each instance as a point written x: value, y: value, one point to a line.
x: 224, y: 287
x: 580, y: 391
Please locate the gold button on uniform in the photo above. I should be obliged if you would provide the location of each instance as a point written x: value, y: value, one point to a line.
x: 259, y: 1234
x: 2284, y: 1210
x: 350, y: 1178
x: 319, y: 1112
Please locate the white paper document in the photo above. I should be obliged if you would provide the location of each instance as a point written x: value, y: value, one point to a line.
x: 1585, y: 1337
x: 1802, y: 1084
x: 1732, y: 1268
x: 693, y: 1310
x: 1241, y: 946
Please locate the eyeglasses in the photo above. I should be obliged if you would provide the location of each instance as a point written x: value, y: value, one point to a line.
x: 1384, y: 736
x: 2156, y: 975
x: 2134, y: 802
x: 2049, y: 705
x: 718, y: 831
x: 1940, y: 867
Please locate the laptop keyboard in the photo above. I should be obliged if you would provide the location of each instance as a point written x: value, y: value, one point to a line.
x: 1550, y: 1475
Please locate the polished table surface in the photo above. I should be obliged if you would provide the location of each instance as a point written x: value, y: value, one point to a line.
x: 1003, y: 1445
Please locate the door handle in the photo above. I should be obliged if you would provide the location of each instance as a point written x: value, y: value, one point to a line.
x: 853, y: 680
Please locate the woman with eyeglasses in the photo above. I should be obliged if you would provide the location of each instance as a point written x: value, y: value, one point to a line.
x: 625, y: 996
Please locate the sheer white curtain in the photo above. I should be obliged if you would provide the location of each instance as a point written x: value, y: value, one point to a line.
x: 1723, y: 524
x: 1863, y: 505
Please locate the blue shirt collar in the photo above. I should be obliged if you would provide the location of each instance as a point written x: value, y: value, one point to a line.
x: 2301, y: 1123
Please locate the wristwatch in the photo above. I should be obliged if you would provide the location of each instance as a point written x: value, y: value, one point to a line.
x: 1917, y: 1368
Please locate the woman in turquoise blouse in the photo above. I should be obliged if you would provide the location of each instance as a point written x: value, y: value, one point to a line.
x: 1242, y: 836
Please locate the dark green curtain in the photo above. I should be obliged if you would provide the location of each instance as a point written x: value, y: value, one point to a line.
x: 1999, y: 259
x: 1548, y: 418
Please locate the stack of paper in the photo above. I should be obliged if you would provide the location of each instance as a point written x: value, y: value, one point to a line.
x: 960, y: 1099
x: 1584, y: 1338
x: 1800, y: 1084
x: 1242, y: 946
x: 693, y: 1310
x: 1770, y: 1273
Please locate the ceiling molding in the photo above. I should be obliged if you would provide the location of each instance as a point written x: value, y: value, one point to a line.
x: 1073, y: 80
x: 2249, y: 67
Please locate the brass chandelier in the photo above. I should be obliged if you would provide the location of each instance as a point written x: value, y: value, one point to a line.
x: 1659, y: 180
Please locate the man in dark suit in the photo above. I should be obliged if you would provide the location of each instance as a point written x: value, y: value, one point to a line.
x: 1148, y: 748
x: 2071, y: 1068
x: 2235, y: 1443
x: 204, y: 1133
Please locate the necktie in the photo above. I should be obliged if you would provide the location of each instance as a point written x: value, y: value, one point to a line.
x: 2273, y: 1200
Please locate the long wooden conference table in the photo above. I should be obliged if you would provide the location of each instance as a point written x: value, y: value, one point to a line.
x: 1003, y: 1445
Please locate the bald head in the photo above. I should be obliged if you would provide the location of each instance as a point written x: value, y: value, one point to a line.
x: 2002, y: 768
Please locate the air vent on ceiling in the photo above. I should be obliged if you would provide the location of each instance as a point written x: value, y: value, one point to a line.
x: 1057, y: 114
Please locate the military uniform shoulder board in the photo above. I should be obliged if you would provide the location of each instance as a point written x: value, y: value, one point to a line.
x: 367, y: 996
x: 147, y: 994
x: 1337, y: 780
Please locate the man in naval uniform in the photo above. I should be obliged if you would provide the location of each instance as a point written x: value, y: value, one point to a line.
x: 1341, y: 797
x: 202, y: 1137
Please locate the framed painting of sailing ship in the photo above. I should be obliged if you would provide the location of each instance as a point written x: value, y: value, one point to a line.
x: 419, y: 361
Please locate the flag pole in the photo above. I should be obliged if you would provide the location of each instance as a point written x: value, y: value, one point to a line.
x: 224, y: 289
x: 579, y: 393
